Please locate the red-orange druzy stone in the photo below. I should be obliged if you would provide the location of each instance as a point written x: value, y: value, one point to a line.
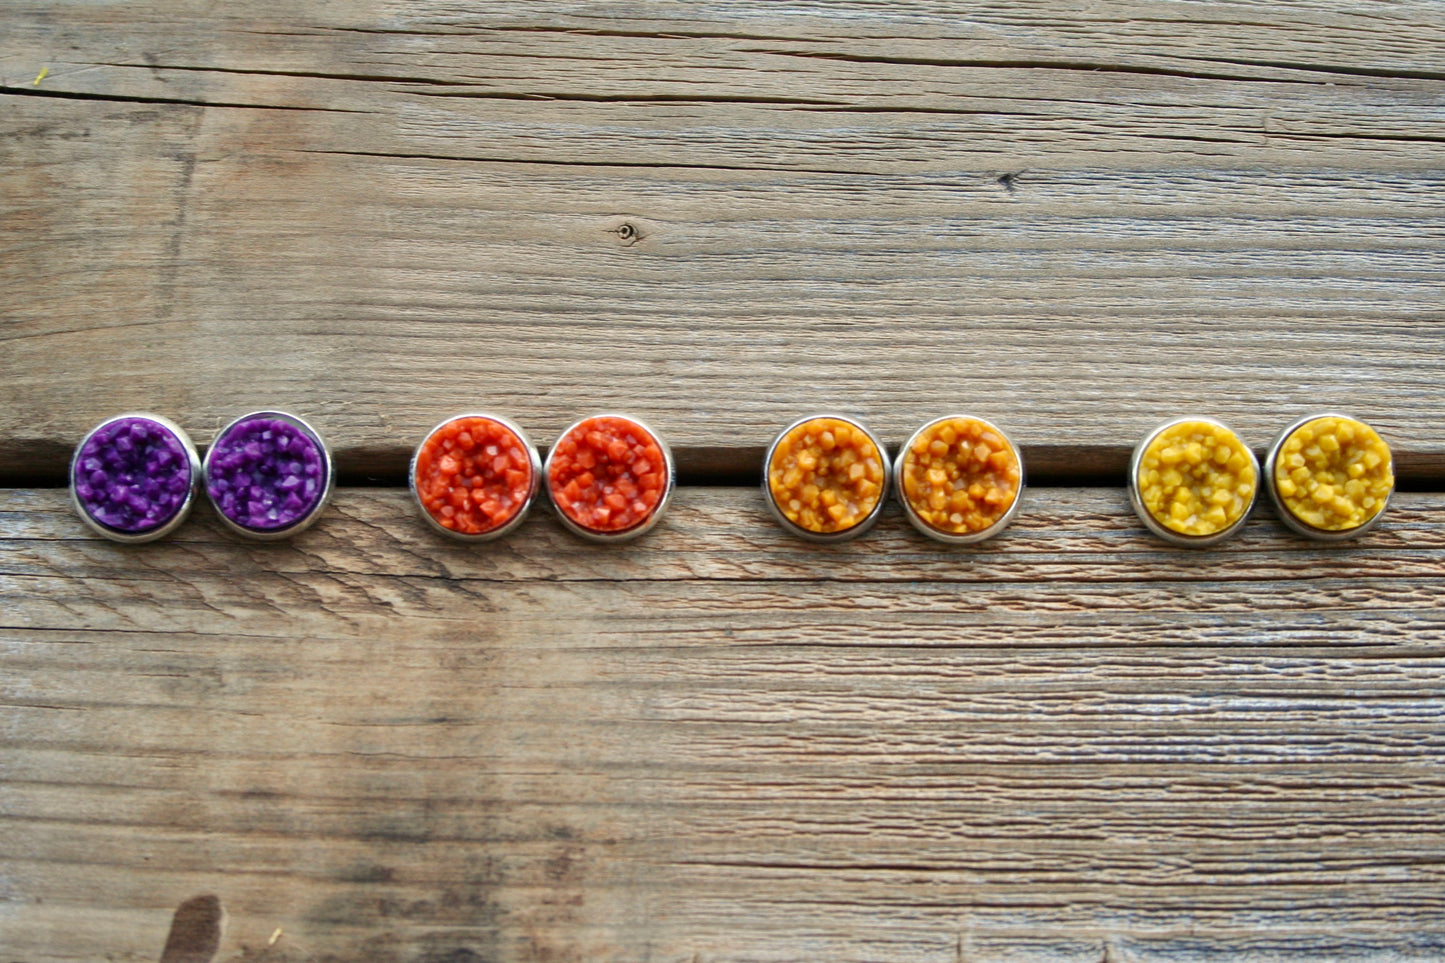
x: 607, y: 474
x: 473, y: 475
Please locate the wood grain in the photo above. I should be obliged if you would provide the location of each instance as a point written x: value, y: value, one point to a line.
x: 1070, y: 743
x: 721, y: 216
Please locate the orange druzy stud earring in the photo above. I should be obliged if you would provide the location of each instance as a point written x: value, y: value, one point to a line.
x: 474, y: 476
x: 959, y: 479
x: 825, y: 478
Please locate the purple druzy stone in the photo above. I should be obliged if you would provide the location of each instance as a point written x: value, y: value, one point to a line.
x: 266, y: 473
x: 132, y: 474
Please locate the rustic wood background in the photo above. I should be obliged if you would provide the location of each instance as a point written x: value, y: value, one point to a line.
x: 1071, y: 743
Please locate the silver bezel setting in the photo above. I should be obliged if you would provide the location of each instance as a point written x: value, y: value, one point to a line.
x: 1158, y: 527
x: 307, y: 520
x: 626, y: 534
x: 193, y: 462
x: 827, y: 538
x: 950, y: 538
x: 1292, y: 521
x: 533, y: 459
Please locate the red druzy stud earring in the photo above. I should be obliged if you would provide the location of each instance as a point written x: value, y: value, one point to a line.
x: 474, y: 476
x: 610, y: 477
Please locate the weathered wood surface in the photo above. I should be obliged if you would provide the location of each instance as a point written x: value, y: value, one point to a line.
x: 720, y: 215
x: 718, y: 743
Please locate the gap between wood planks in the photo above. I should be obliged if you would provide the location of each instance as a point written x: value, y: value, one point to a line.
x: 1046, y: 466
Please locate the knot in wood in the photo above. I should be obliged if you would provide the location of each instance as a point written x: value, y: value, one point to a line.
x: 628, y: 229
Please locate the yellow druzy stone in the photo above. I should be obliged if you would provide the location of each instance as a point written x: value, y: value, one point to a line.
x: 1196, y: 478
x: 1333, y: 473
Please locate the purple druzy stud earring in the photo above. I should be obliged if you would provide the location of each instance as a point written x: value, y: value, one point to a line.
x: 268, y: 474
x: 134, y: 477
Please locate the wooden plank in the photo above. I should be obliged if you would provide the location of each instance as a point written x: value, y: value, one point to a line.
x: 721, y: 216
x: 1070, y: 743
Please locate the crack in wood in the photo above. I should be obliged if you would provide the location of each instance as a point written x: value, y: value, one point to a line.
x: 176, y: 101
x: 604, y: 164
x: 1384, y: 73
x: 1081, y: 66
x: 640, y: 99
x: 303, y: 74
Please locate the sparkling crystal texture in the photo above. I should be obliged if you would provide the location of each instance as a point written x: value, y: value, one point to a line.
x: 265, y: 473
x: 132, y: 475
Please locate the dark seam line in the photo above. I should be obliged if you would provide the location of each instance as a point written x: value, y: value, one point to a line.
x: 308, y: 74
x: 646, y: 165
x: 1080, y: 66
x: 175, y: 101
x: 635, y: 99
x: 740, y: 478
x: 1381, y: 72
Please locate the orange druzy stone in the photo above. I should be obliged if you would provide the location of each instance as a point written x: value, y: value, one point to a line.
x: 607, y: 474
x: 826, y: 475
x: 960, y: 475
x: 473, y: 475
